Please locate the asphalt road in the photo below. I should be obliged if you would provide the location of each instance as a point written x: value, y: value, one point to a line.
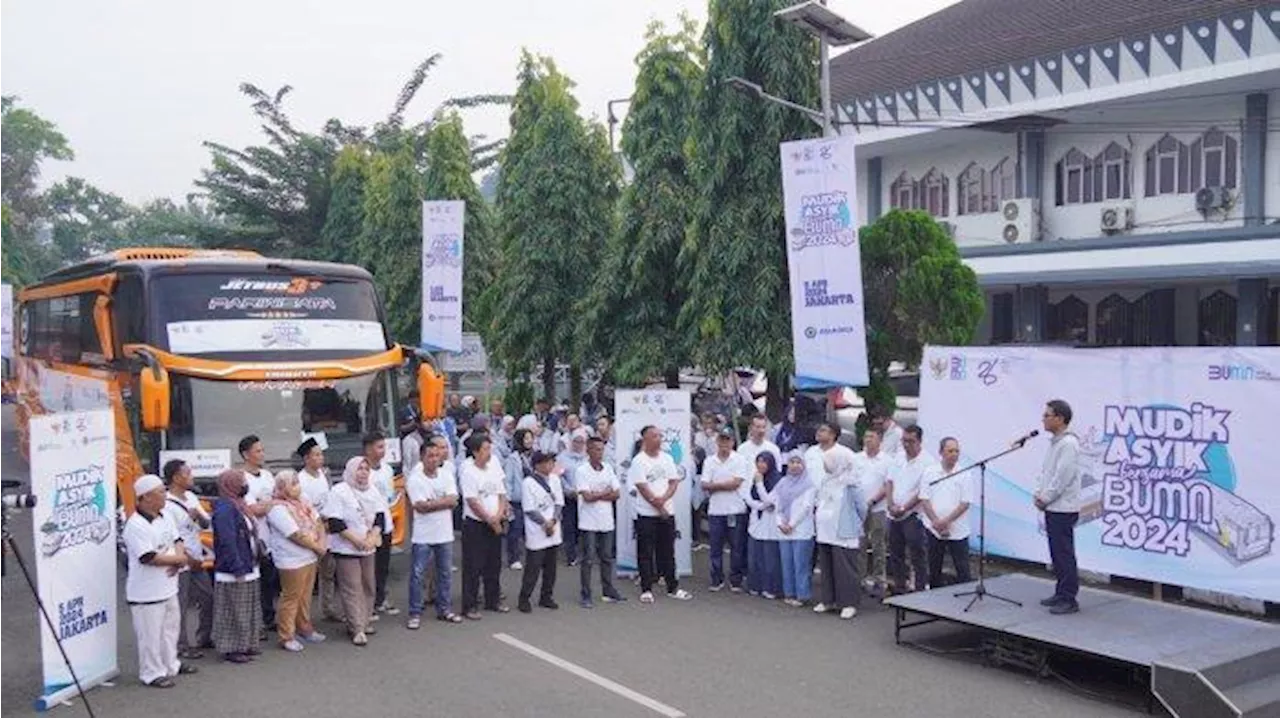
x: 718, y: 655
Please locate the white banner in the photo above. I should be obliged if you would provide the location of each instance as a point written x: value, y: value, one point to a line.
x: 670, y: 411
x: 442, y: 229
x: 819, y: 186
x: 6, y: 321
x: 472, y: 358
x: 205, y: 336
x: 73, y: 476
x: 1179, y: 482
x: 204, y: 463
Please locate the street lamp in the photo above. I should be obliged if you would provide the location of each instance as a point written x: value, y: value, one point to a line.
x: 831, y: 30
x: 613, y: 119
x: 753, y: 89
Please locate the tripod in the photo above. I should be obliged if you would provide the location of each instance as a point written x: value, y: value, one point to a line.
x: 12, y: 547
x: 980, y: 591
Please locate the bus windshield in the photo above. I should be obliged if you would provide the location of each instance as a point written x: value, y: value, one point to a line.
x: 209, y: 414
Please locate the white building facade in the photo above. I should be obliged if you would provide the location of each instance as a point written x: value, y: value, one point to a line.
x: 1110, y: 170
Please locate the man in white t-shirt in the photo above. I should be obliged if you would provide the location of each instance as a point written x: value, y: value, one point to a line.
x: 314, y: 481
x: 906, y: 535
x: 432, y: 496
x: 724, y: 474
x: 891, y: 434
x: 195, y: 585
x: 542, y: 506
x: 597, y: 487
x: 383, y: 478
x: 655, y: 477
x: 156, y: 556
x: 257, y: 503
x: 873, y: 468
x: 484, y: 512
x: 757, y: 442
x: 945, y: 506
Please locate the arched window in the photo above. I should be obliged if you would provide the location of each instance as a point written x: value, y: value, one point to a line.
x: 1083, y: 180
x: 1112, y: 173
x: 1003, y: 182
x: 1152, y: 319
x: 1075, y: 174
x: 973, y: 192
x: 1213, y: 160
x: 1114, y: 324
x: 902, y: 193
x: 1069, y: 321
x: 934, y: 193
x: 1218, y: 320
x: 1168, y: 169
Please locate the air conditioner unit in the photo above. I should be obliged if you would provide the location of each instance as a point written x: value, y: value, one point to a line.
x: 1214, y: 199
x: 1020, y: 220
x: 1116, y: 217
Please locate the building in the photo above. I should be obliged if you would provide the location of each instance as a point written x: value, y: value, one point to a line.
x: 1109, y: 168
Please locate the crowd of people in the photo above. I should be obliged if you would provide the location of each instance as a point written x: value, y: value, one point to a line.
x: 881, y: 521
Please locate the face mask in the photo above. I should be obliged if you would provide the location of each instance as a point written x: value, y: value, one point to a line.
x: 243, y: 492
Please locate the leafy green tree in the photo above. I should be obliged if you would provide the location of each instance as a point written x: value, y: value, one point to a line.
x: 391, y: 239
x: 628, y: 316
x: 86, y: 220
x: 738, y: 310
x: 344, y: 220
x: 917, y: 291
x: 556, y: 195
x: 26, y: 141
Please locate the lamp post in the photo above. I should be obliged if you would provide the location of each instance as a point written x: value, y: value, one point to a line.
x: 831, y: 30
x: 613, y: 119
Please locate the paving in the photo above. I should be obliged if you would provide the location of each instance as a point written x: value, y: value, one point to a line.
x: 718, y: 655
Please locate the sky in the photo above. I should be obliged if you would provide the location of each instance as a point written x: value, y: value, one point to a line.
x: 138, y: 85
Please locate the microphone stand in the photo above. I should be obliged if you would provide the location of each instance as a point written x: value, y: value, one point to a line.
x: 980, y: 590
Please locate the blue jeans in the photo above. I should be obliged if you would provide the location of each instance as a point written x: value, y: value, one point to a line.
x: 514, y: 539
x: 737, y: 538
x: 440, y: 556
x: 797, y: 571
x: 764, y: 572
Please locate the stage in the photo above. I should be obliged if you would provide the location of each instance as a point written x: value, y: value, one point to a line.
x: 1137, y: 632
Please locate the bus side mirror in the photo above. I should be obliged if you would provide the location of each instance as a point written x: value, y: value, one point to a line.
x: 430, y: 392
x: 154, y: 386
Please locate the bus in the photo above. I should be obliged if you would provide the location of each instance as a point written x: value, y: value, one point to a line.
x: 193, y: 349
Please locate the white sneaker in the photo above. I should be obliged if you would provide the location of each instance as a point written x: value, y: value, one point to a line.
x: 681, y: 595
x: 768, y: 596
x: 820, y: 608
x: 716, y: 588
x: 517, y: 566
x: 360, y: 639
x: 646, y: 597
x: 292, y: 646
x: 847, y: 613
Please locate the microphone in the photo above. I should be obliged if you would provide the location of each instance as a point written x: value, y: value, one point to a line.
x: 1024, y: 439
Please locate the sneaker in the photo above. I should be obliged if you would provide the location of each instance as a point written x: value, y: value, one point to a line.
x: 415, y: 622
x: 646, y: 597
x: 1064, y: 608
x: 817, y: 571
x: 768, y: 596
x: 360, y: 639
x: 549, y: 603
x: 371, y: 630
x: 847, y: 613
x: 313, y: 637
x: 717, y: 588
x: 517, y: 566
x: 586, y: 603
x: 681, y: 595
x: 753, y: 593
x: 820, y: 608
x: 472, y: 615
x: 388, y: 608
x: 292, y: 645
x: 735, y: 589
x: 524, y: 607
x: 615, y: 598
x: 375, y: 618
x: 791, y: 602
x: 1050, y: 601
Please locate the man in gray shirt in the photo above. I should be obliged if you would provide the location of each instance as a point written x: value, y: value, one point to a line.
x: 1058, y: 496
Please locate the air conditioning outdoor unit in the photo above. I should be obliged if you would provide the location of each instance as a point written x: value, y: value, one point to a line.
x: 1214, y: 199
x: 1020, y: 220
x: 1116, y: 217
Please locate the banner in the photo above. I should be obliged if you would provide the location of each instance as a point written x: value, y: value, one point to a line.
x: 819, y: 189
x: 1179, y: 483
x: 73, y: 476
x: 472, y: 358
x: 669, y: 410
x: 6, y: 321
x: 442, y: 227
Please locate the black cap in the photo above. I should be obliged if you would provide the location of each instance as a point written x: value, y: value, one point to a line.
x: 725, y: 433
x: 539, y: 457
x: 305, y: 447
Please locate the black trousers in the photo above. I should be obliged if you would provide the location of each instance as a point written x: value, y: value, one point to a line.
x: 1061, y: 528
x: 906, y: 540
x: 381, y: 567
x: 481, y: 562
x: 539, y: 563
x: 841, y: 587
x: 656, y: 551
x: 270, y: 585
x: 569, y: 529
x: 939, y: 549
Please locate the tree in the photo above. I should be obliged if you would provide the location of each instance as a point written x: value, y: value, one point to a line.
x: 738, y: 310
x: 26, y: 141
x: 555, y: 196
x: 391, y: 238
x: 344, y: 220
x: 628, y: 316
x: 449, y: 176
x: 86, y: 220
x: 917, y: 291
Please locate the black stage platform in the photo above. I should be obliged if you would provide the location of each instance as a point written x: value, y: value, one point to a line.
x: 1127, y: 630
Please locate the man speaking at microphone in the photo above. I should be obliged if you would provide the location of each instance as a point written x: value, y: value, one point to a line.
x: 1058, y: 496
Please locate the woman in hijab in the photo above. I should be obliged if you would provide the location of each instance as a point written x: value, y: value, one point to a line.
x: 785, y: 437
x: 795, y: 495
x: 297, y: 542
x: 838, y: 537
x: 764, y: 569
x: 237, y: 608
x: 516, y: 466
x: 354, y: 513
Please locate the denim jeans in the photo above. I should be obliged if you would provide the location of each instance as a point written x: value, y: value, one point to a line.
x: 764, y: 567
x: 441, y: 555
x: 597, y: 548
x: 513, y: 541
x: 797, y: 576
x: 737, y: 539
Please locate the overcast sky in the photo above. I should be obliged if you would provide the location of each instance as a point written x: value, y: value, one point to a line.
x: 137, y: 85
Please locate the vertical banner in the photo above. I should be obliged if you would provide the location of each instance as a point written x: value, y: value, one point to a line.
x: 669, y: 410
x: 1178, y: 479
x: 6, y: 321
x: 442, y: 227
x: 73, y: 476
x: 819, y: 189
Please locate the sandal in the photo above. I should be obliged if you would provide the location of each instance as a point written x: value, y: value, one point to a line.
x: 186, y: 669
x: 191, y: 654
x: 450, y: 618
x: 162, y: 682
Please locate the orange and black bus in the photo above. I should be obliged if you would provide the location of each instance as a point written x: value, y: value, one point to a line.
x: 193, y: 349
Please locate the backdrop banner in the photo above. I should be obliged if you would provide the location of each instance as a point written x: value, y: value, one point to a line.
x: 73, y: 476
x: 1178, y: 481
x: 819, y: 191
x: 670, y: 411
x: 442, y: 227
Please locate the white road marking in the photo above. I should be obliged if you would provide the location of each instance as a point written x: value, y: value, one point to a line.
x: 579, y: 671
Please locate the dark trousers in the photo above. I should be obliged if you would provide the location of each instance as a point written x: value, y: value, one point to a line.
x: 939, y: 549
x: 569, y: 529
x: 481, y: 562
x: 539, y: 563
x: 381, y: 567
x: 906, y: 540
x: 195, y: 590
x: 656, y: 551
x: 597, y: 547
x: 736, y: 536
x: 841, y: 587
x: 696, y: 515
x: 513, y: 540
x: 1061, y: 528
x: 764, y: 567
x: 270, y: 590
